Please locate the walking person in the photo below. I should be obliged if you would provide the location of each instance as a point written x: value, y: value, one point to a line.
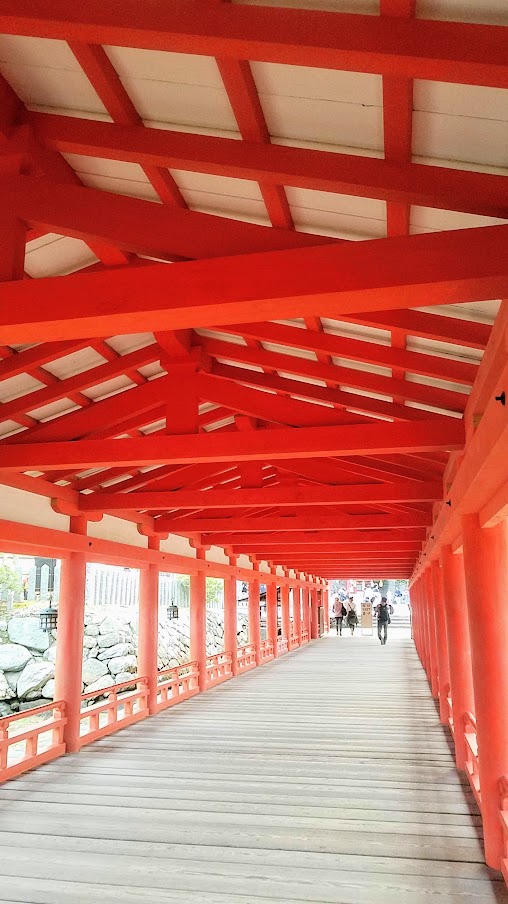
x: 352, y: 617
x: 383, y: 612
x: 338, y: 613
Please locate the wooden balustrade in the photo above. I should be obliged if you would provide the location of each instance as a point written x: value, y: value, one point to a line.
x: 282, y: 645
x: 246, y: 658
x: 218, y: 669
x: 503, y: 791
x: 305, y: 636
x: 293, y: 641
x: 449, y: 706
x: 31, y: 745
x: 266, y: 651
x: 116, y: 712
x: 177, y: 684
x: 472, y: 756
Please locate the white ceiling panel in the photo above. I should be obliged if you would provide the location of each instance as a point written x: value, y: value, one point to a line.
x: 487, y: 12
x: 220, y: 194
x: 444, y: 349
x: 54, y: 409
x: 362, y: 365
x: 430, y: 219
x: 341, y: 216
x: 17, y: 386
x: 109, y: 388
x: 321, y: 105
x: 479, y: 311
x: 461, y: 123
x: 438, y: 384
x: 130, y: 342
x: 362, y: 7
x: 75, y: 363
x: 138, y: 188
x: 174, y: 87
x: 289, y: 350
x: 54, y: 255
x: 46, y: 73
x: 356, y: 331
x: 101, y: 166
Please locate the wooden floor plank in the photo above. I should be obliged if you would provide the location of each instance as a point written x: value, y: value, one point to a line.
x: 324, y: 778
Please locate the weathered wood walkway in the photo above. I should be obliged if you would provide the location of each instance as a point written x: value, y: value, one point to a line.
x: 322, y: 777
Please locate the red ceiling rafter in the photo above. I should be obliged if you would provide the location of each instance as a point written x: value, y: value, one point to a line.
x: 441, y: 51
x: 395, y: 181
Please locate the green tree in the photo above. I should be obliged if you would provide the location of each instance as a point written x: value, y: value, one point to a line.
x: 9, y: 584
x: 214, y: 593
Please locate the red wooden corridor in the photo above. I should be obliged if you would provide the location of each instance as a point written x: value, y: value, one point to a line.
x: 253, y: 325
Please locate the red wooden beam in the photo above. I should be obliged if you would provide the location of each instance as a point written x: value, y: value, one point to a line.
x: 284, y: 496
x: 447, y: 267
x: 428, y: 326
x: 329, y: 537
x: 336, y: 397
x: 441, y: 51
x: 447, y: 399
x: 306, y: 442
x: 358, y: 350
x: 400, y: 182
x: 140, y: 226
x: 188, y: 526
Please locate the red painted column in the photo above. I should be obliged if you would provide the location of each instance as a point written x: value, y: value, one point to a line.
x: 307, y: 608
x: 284, y: 603
x: 271, y: 614
x: 198, y: 621
x: 441, y: 641
x: 415, y: 618
x: 425, y: 625
x: 326, y: 605
x: 429, y: 591
x: 149, y: 625
x: 69, y: 645
x: 459, y: 649
x: 230, y: 618
x: 486, y: 575
x: 254, y: 622
x: 297, y: 613
x: 314, y: 614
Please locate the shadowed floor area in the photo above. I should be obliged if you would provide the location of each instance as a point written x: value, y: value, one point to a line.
x: 324, y: 776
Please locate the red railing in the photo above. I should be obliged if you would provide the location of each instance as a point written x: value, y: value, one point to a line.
x: 218, y: 669
x: 293, y: 641
x: 472, y: 756
x: 31, y: 745
x: 177, y: 684
x: 305, y: 635
x: 450, y: 709
x: 116, y: 712
x: 246, y: 658
x: 266, y: 651
x: 282, y: 645
x: 503, y: 790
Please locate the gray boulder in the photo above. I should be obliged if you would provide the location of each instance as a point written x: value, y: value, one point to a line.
x: 107, y: 625
x: 48, y: 691
x: 12, y: 679
x: 93, y: 670
x: 28, y: 633
x: 122, y: 664
x: 6, y: 692
x: 5, y: 709
x: 119, y: 649
x: 31, y: 704
x: 108, y: 640
x: 91, y: 630
x: 34, y: 676
x: 124, y: 676
x: 88, y: 642
x: 50, y: 653
x: 13, y: 657
x: 101, y: 684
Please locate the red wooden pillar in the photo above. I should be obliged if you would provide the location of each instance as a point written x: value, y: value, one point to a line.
x: 149, y: 625
x: 425, y: 625
x: 307, y: 608
x: 297, y: 612
x: 314, y: 614
x: 415, y: 618
x: 486, y: 576
x: 230, y: 618
x: 284, y: 606
x: 254, y: 622
x: 429, y: 593
x: 459, y: 650
x: 271, y: 614
x: 198, y: 621
x: 441, y: 641
x: 326, y: 606
x: 69, y: 645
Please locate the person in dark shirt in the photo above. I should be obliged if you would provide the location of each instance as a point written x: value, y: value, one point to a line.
x: 383, y: 612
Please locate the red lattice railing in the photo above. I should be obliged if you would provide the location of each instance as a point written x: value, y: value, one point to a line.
x: 246, y: 657
x: 177, y: 684
x: 282, y: 645
x: 472, y: 768
x: 116, y: 712
x: 449, y: 709
x: 22, y: 746
x: 266, y: 651
x: 218, y: 669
